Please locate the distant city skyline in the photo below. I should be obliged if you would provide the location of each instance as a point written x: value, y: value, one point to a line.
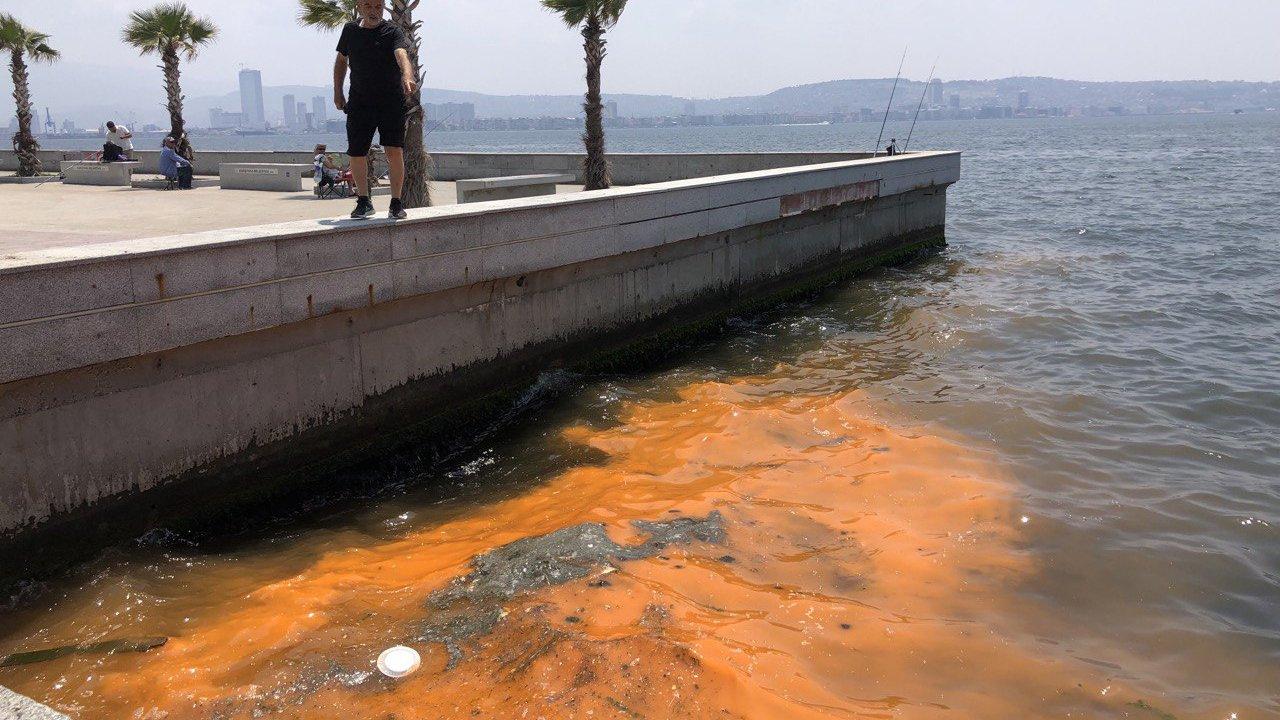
x: 698, y: 49
x: 708, y: 48
x: 842, y: 101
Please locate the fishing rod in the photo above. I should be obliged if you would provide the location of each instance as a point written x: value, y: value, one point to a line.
x: 441, y: 123
x: 932, y: 70
x: 61, y: 175
x: 876, y: 152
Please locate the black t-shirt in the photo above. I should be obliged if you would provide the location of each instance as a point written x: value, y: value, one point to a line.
x: 371, y: 53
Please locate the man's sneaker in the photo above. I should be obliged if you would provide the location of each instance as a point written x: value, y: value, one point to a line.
x: 364, y: 209
x: 397, y: 210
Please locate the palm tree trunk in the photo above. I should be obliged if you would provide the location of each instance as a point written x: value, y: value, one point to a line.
x: 173, y: 90
x: 24, y: 143
x: 417, y: 163
x: 595, y: 170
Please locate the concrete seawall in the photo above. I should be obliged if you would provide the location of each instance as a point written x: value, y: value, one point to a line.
x: 228, y: 357
x: 628, y: 168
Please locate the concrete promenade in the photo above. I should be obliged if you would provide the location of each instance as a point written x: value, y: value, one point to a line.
x: 209, y: 367
x: 57, y: 215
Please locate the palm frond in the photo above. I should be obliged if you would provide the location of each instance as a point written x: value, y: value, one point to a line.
x: 168, y: 26
x: 16, y: 36
x: 10, y: 31
x: 576, y: 12
x: 201, y: 31
x: 611, y: 10
x: 573, y: 12
x: 326, y: 14
x: 43, y: 52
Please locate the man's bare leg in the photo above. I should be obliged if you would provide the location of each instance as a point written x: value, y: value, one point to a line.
x: 395, y: 162
x: 360, y: 174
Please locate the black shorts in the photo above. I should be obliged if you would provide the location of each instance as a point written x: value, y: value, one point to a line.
x: 363, y: 120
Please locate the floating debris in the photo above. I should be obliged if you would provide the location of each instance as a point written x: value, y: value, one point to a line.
x: 399, y: 661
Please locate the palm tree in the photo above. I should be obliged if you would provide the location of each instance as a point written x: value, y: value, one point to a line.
x: 595, y: 17
x: 333, y: 14
x: 171, y: 30
x: 23, y: 44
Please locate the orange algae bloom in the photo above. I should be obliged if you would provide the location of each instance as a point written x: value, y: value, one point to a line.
x: 865, y: 571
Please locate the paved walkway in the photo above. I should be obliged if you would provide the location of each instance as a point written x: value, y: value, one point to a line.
x: 56, y: 215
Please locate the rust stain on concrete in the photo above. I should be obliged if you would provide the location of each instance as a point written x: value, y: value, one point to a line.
x: 829, y: 197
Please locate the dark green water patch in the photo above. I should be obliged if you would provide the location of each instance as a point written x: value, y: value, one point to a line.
x: 472, y: 605
x: 106, y: 647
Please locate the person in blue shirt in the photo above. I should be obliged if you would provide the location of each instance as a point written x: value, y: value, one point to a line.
x: 175, y: 167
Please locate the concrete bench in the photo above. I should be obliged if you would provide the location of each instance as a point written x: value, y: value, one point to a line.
x: 278, y: 177
x: 96, y: 173
x: 505, y: 188
x: 159, y: 182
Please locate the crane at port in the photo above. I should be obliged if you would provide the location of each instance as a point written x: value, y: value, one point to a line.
x: 49, y: 127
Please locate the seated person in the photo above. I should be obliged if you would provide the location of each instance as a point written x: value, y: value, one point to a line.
x: 327, y: 173
x: 112, y: 153
x: 175, y: 167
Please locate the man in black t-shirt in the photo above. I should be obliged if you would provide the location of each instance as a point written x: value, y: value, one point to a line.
x: 382, y: 79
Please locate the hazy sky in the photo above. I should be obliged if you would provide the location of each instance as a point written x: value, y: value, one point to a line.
x: 714, y: 48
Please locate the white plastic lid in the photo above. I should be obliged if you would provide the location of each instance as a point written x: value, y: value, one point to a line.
x: 399, y: 661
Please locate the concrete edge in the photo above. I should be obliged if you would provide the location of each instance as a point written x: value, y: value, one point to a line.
x: 15, y: 180
x: 515, y: 180
x: 20, y: 707
x: 315, y: 464
x: 213, y: 239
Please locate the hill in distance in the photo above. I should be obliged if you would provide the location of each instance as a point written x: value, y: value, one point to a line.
x: 841, y: 95
x: 141, y: 100
x: 852, y: 95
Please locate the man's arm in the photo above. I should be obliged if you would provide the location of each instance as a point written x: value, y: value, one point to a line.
x: 339, y: 80
x: 407, y: 79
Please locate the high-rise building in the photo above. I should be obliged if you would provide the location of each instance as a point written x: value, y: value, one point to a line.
x: 955, y: 101
x: 251, y: 107
x: 320, y: 111
x: 1024, y: 100
x: 301, y: 113
x: 936, y: 97
x: 611, y: 110
x: 290, y: 111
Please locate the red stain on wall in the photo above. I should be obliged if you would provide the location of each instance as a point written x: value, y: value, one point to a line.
x: 829, y: 197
